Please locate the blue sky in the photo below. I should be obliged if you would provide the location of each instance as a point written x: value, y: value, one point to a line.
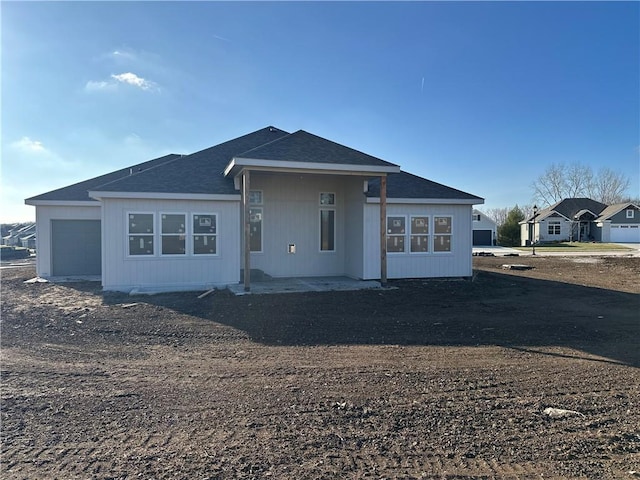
x: 480, y: 96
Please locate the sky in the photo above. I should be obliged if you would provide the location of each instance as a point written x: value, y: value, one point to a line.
x: 479, y: 96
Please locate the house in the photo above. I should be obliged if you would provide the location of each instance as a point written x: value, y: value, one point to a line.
x: 581, y: 220
x: 620, y: 223
x: 17, y: 232
x: 29, y: 241
x: 485, y: 230
x: 305, y: 205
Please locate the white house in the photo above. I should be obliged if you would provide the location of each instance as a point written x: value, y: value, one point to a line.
x: 485, y: 230
x: 306, y: 206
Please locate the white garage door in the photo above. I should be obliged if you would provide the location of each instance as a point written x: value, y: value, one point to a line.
x: 625, y: 233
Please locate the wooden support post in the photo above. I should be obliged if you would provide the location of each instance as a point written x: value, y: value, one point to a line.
x: 247, y: 230
x: 383, y: 230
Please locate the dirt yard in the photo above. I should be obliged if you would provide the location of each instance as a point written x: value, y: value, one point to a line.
x: 431, y: 379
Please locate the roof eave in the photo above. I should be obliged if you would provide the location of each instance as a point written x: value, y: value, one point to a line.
x: 430, y: 201
x: 62, y: 203
x: 236, y: 165
x: 100, y: 195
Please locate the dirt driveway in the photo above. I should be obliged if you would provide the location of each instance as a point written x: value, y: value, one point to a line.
x: 432, y: 379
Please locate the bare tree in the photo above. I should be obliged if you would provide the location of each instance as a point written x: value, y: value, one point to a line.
x: 608, y: 187
x: 560, y: 181
x: 578, y: 179
x: 498, y: 215
x: 550, y: 187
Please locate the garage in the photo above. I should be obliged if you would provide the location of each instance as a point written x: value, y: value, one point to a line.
x: 621, y: 233
x: 482, y: 238
x: 76, y: 247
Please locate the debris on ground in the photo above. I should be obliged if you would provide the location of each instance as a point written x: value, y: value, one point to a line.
x: 517, y: 267
x: 561, y: 413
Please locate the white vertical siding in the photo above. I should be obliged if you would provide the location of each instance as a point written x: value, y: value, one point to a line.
x: 44, y: 215
x: 456, y: 263
x: 354, y: 223
x: 123, y: 272
x: 291, y: 215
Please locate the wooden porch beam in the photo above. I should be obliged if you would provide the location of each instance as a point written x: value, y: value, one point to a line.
x: 383, y: 230
x: 247, y: 229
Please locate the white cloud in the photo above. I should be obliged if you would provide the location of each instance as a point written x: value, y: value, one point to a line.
x: 132, y: 79
x: 25, y: 144
x: 123, y: 78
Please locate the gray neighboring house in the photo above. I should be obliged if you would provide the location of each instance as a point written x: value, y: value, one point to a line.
x: 583, y: 220
x: 485, y: 230
x: 286, y: 204
x: 620, y: 223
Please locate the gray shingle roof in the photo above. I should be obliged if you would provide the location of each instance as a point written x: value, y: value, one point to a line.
x: 305, y: 147
x: 203, y: 172
x: 78, y: 192
x: 407, y: 185
x: 570, y: 206
x: 200, y: 172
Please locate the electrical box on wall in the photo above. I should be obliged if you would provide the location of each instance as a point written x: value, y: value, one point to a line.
x: 291, y: 248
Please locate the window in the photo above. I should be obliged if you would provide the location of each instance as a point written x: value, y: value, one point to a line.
x: 327, y: 198
x: 204, y: 234
x: 442, y: 234
x: 255, y: 197
x: 173, y: 233
x: 553, y: 228
x: 396, y: 232
x: 419, y: 234
x: 630, y: 213
x: 140, y: 232
x: 327, y: 230
x: 476, y: 217
x: 327, y: 222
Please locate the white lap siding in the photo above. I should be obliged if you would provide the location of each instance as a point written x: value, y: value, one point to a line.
x: 121, y: 271
x: 456, y: 263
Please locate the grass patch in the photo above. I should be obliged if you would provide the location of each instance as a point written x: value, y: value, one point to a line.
x: 575, y: 247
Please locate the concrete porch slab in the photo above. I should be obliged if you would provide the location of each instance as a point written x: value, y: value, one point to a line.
x: 304, y: 284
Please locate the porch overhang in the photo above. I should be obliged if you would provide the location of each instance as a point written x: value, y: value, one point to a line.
x: 237, y: 165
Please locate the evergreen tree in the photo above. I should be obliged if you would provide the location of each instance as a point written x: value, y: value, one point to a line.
x: 509, y: 231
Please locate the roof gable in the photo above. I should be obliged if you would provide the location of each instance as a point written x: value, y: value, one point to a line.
x: 612, y: 210
x: 305, y: 147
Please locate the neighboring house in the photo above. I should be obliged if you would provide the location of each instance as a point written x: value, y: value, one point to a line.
x: 306, y: 206
x: 620, y: 223
x: 582, y: 220
x: 17, y: 233
x: 485, y: 230
x: 29, y: 241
